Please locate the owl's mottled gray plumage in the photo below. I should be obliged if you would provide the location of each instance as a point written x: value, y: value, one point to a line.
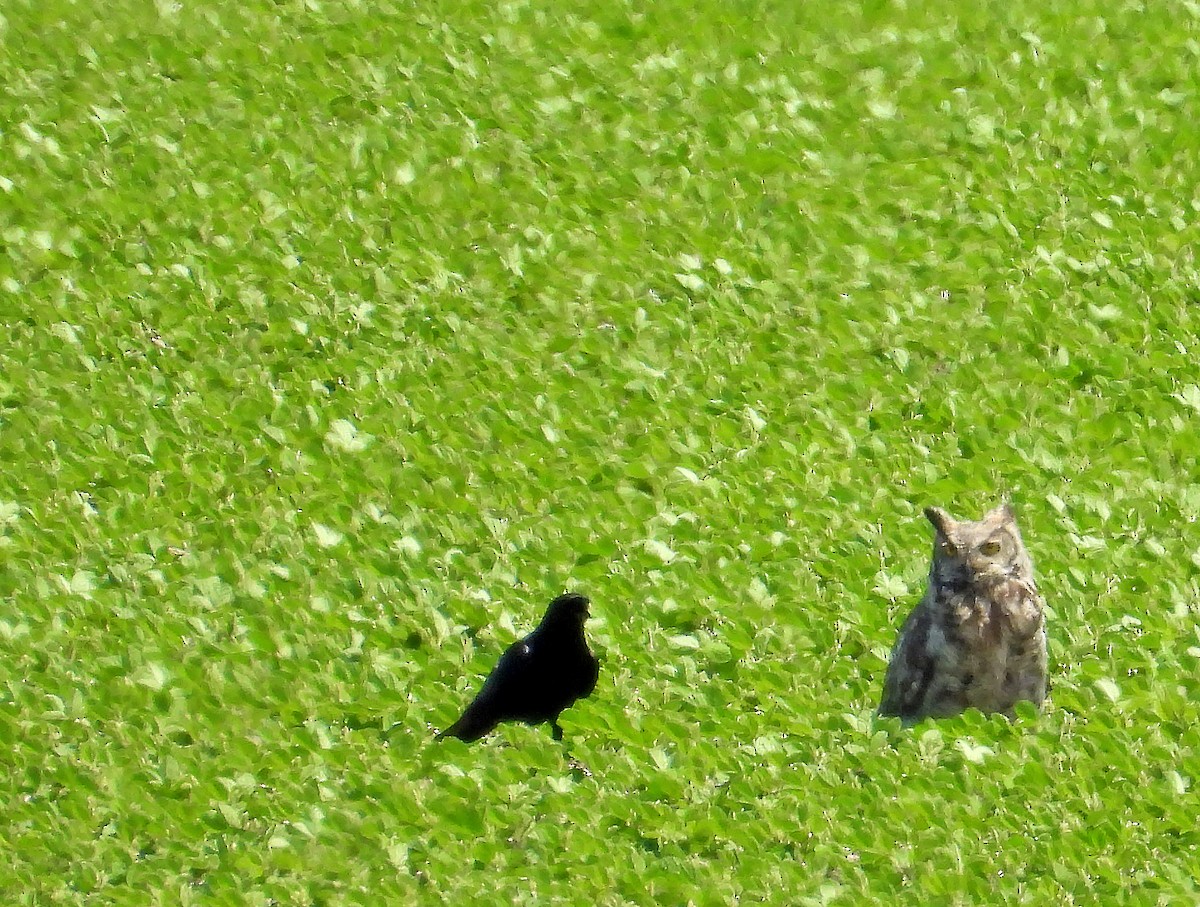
x: 978, y: 637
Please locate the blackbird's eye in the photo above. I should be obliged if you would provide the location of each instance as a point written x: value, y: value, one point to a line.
x: 990, y: 548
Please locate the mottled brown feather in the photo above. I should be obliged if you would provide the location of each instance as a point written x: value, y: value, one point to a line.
x: 977, y: 638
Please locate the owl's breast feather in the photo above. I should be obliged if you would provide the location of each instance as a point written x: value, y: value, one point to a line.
x: 1021, y: 605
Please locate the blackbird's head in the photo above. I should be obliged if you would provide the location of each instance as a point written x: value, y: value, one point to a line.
x: 568, y: 609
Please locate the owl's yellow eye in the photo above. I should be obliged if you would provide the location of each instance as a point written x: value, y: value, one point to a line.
x: 990, y: 548
x: 949, y: 548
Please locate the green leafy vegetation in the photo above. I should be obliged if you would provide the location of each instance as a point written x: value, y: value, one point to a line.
x: 338, y: 337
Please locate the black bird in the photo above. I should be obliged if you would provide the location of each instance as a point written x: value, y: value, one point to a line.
x: 536, y: 678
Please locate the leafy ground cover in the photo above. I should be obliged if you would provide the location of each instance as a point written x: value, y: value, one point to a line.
x: 338, y: 337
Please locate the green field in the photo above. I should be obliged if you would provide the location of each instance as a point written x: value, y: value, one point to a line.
x: 337, y: 337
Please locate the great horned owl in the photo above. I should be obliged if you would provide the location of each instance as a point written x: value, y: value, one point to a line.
x: 978, y: 637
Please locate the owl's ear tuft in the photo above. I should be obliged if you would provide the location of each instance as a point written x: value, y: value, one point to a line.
x: 1003, y: 514
x: 942, y: 521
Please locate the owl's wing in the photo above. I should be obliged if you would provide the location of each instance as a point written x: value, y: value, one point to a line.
x: 911, y: 669
x: 1024, y: 607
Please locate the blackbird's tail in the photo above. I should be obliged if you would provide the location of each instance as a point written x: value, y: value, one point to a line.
x: 470, y: 727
